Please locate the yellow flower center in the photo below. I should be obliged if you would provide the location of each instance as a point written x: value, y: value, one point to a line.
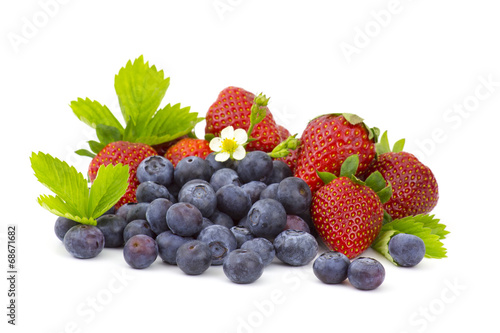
x: 229, y: 145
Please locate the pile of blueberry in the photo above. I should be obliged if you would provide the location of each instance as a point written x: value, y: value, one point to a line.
x: 238, y: 214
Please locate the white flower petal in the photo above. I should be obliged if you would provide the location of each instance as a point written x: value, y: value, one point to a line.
x: 222, y: 156
x: 216, y: 144
x: 239, y: 153
x: 240, y: 136
x: 227, y: 133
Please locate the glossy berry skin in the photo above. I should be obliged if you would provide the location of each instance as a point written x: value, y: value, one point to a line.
x: 366, y: 273
x: 190, y: 168
x: 201, y: 195
x: 156, y: 169
x: 194, y: 257
x: 347, y: 216
x: 168, y: 244
x: 188, y: 147
x: 407, y: 250
x: 233, y: 108
x: 295, y: 248
x: 184, y: 219
x: 122, y: 152
x: 137, y: 227
x: 263, y: 247
x: 331, y: 267
x: 224, y: 176
x: 233, y: 201
x: 156, y: 215
x: 112, y: 227
x: 84, y: 241
x: 415, y: 190
x: 140, y: 251
x: 243, y: 266
x: 326, y: 142
x: 295, y: 195
x: 256, y: 165
x: 149, y: 191
x: 62, y: 226
x: 266, y: 218
x: 220, y: 240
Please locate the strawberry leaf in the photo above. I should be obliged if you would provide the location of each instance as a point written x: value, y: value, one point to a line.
x: 95, y: 146
x: 399, y: 146
x: 326, y: 177
x: 85, y: 152
x: 108, y: 134
x: 109, y: 186
x: 349, y: 166
x: 93, y: 113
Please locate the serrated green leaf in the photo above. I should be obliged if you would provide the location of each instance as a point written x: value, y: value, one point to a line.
x: 58, y: 207
x: 108, y: 134
x: 93, y: 113
x: 85, y: 152
x: 109, y: 186
x: 350, y: 166
x: 140, y: 89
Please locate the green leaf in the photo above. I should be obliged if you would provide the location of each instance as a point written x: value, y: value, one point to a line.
x: 93, y: 113
x: 326, y: 177
x: 424, y: 226
x: 375, y: 181
x: 140, y: 89
x: 353, y: 119
x: 85, y: 152
x: 110, y: 185
x: 349, y: 167
x: 399, y: 146
x: 385, y: 194
x: 383, y: 146
x: 209, y: 136
x: 108, y: 134
x: 95, y: 146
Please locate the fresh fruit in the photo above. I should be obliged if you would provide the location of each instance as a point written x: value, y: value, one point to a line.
x: 243, y: 266
x: 241, y: 234
x: 140, y: 251
x: 295, y: 222
x: 295, y: 248
x: 168, y: 244
x: 188, y: 147
x: 137, y: 227
x: 294, y: 194
x: 112, y: 227
x: 281, y: 170
x: 270, y: 192
x: 233, y: 108
x: 224, y: 176
x: 263, y: 247
x: 233, y: 201
x: 156, y: 169
x: 125, y: 153
x: 221, y: 218
x: 84, y: 241
x: 149, y: 191
x: 266, y: 218
x: 292, y: 158
x: 137, y: 211
x: 189, y: 168
x: 201, y: 195
x: 366, y: 273
x: 347, y: 213
x: 184, y: 219
x: 194, y: 257
x: 253, y: 189
x: 331, y: 267
x: 406, y: 250
x: 256, y: 165
x: 328, y: 140
x: 415, y: 190
x: 220, y: 240
x: 62, y: 226
x: 216, y: 165
x: 156, y: 215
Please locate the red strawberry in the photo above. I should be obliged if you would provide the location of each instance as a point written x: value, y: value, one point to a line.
x: 347, y: 213
x: 233, y: 108
x: 283, y: 132
x: 188, y: 147
x: 162, y: 148
x: 414, y: 185
x: 122, y: 152
x: 328, y: 140
x: 292, y: 158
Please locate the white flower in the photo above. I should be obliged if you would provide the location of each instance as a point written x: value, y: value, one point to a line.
x: 230, y: 144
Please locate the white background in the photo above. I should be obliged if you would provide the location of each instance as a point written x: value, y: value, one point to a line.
x: 412, y: 66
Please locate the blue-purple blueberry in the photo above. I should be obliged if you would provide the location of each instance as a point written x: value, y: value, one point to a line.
x: 366, y: 273
x: 296, y: 248
x: 243, y: 266
x: 331, y: 267
x: 140, y: 251
x: 84, y: 241
x: 194, y: 257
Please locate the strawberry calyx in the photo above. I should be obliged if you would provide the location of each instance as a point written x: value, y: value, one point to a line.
x: 383, y: 145
x: 257, y: 113
x: 348, y: 170
x: 354, y: 119
x: 284, y: 147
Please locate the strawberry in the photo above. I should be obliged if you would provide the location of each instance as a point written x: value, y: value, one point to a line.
x: 348, y: 213
x: 233, y: 108
x: 122, y: 152
x: 283, y: 132
x: 161, y: 149
x: 328, y: 140
x: 415, y: 187
x: 292, y: 158
x: 187, y: 147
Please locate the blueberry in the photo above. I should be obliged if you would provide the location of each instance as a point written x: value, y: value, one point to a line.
x: 220, y: 240
x: 263, y: 247
x: 241, y: 234
x: 62, y: 226
x: 215, y: 165
x: 256, y: 165
x: 201, y: 195
x: 224, y: 177
x: 156, y: 169
x: 84, y: 241
x: 221, y: 218
x: 254, y: 188
x: 194, y: 257
x: 295, y: 195
x: 156, y: 215
x: 168, y: 244
x: 270, y: 192
x: 295, y: 222
x: 184, y: 219
x: 112, y: 227
x: 331, y: 267
x: 233, y: 201
x: 366, y: 273
x: 266, y: 218
x: 281, y: 170
x: 149, y: 191
x: 140, y: 251
x: 123, y: 210
x: 137, y: 227
x: 243, y: 266
x: 407, y: 250
x: 296, y: 248
x: 137, y: 211
x: 191, y: 167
